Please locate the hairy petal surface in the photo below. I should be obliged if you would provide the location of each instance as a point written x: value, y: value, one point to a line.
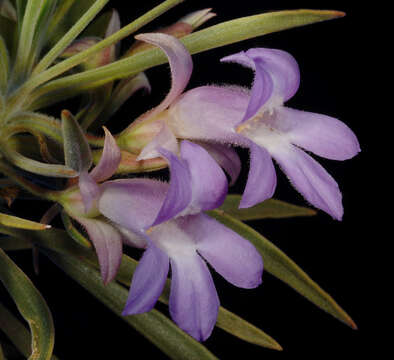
x: 148, y: 281
x: 194, y: 303
x: 165, y: 139
x: 209, y: 113
x: 108, y: 244
x: 208, y: 181
x: 89, y: 189
x: 261, y: 181
x: 132, y: 203
x: 179, y: 194
x: 311, y: 180
x: 109, y: 160
x: 323, y: 135
x: 262, y: 84
x: 226, y: 157
x: 233, y: 257
x: 180, y: 63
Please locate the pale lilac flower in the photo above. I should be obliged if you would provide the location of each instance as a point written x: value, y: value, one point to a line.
x: 168, y: 220
x: 153, y: 124
x: 258, y: 120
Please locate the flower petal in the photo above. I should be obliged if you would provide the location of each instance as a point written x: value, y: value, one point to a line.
x: 233, y: 257
x: 261, y: 182
x: 89, y: 189
x: 108, y: 244
x: 208, y: 181
x: 262, y: 84
x: 179, y: 194
x: 282, y: 67
x: 180, y: 63
x: 323, y: 135
x: 209, y: 113
x: 194, y: 303
x: 148, y: 281
x: 311, y: 180
x: 226, y: 157
x: 132, y: 203
x: 164, y: 139
x: 109, y: 161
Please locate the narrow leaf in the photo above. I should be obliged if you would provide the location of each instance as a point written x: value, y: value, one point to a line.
x: 31, y: 306
x: 227, y: 321
x: 17, y: 222
x: 7, y: 10
x: 4, y: 66
x: 16, y: 332
x: 10, y: 243
x: 76, y: 148
x: 209, y: 38
x: 269, y: 209
x: 281, y: 266
x: 153, y: 325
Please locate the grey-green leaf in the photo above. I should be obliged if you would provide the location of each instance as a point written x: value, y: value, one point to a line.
x: 281, y: 266
x: 269, y: 209
x: 76, y: 148
x: 31, y: 306
x: 227, y: 321
x: 153, y: 325
x: 212, y: 37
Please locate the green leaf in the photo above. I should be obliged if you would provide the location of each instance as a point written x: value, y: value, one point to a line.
x: 7, y: 30
x: 269, y: 209
x: 76, y: 148
x: 209, y: 38
x: 17, y: 222
x: 31, y: 13
x: 31, y: 306
x: 227, y: 321
x: 7, y: 10
x: 10, y: 243
x: 156, y: 327
x: 98, y: 27
x: 4, y: 66
x: 2, y: 357
x: 281, y: 266
x: 67, y: 39
x: 16, y: 332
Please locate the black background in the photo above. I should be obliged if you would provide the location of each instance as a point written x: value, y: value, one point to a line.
x: 335, y: 254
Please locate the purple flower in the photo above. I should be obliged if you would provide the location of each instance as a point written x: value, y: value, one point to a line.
x: 259, y: 121
x: 152, y: 128
x: 168, y: 220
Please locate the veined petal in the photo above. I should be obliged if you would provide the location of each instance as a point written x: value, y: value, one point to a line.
x: 323, y: 135
x: 208, y: 181
x: 194, y: 303
x: 164, y: 139
x: 209, y: 113
x: 108, y: 244
x: 89, y: 189
x: 109, y: 160
x: 261, y: 182
x: 310, y: 179
x: 233, y: 257
x: 282, y: 67
x: 148, y: 281
x: 180, y: 63
x: 262, y: 85
x: 226, y: 157
x: 179, y: 194
x: 132, y: 203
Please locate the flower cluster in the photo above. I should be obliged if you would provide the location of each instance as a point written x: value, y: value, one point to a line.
x: 192, y: 131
